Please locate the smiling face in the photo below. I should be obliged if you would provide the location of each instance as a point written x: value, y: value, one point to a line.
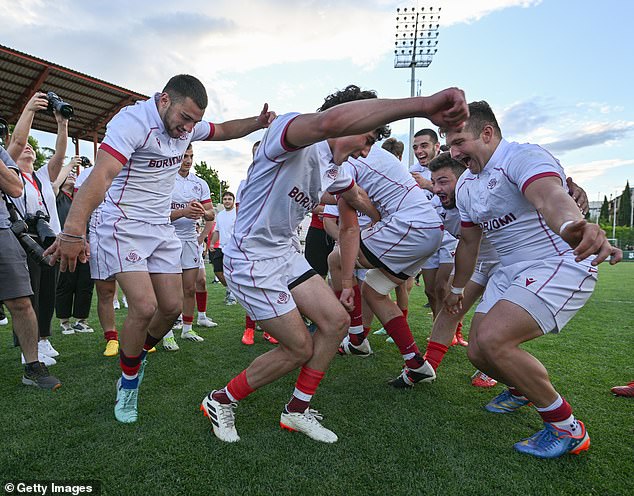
x: 444, y: 181
x: 188, y: 160
x: 351, y: 146
x: 425, y: 149
x: 178, y: 114
x: 473, y: 151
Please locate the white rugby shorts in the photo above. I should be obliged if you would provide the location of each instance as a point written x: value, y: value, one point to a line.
x: 400, y: 246
x: 123, y: 245
x: 190, y: 254
x: 444, y: 255
x: 263, y: 287
x: 552, y: 290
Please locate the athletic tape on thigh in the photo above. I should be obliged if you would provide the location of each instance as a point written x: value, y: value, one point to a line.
x: 379, y: 282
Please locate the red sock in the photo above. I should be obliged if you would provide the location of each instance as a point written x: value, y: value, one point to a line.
x: 366, y: 331
x: 150, y: 342
x: 129, y: 364
x: 238, y: 387
x: 355, y: 315
x: 459, y: 327
x: 112, y: 335
x: 515, y: 392
x: 399, y: 331
x: 305, y: 388
x: 201, y: 301
x: 559, y: 414
x: 435, y: 353
x: 404, y: 312
x: 250, y: 323
x: 188, y: 319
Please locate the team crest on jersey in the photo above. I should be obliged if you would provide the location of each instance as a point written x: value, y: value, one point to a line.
x: 530, y: 280
x: 133, y: 257
x: 492, y: 183
x: 283, y: 298
x: 332, y: 173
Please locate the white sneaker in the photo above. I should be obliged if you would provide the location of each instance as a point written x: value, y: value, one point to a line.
x: 205, y: 321
x: 46, y: 348
x: 170, y: 344
x: 178, y: 325
x: 46, y: 360
x: 67, y: 328
x: 307, y: 423
x: 124, y: 300
x: 222, y: 418
x: 4, y: 321
x: 192, y: 336
x: 363, y: 350
x: 116, y: 305
x: 80, y: 326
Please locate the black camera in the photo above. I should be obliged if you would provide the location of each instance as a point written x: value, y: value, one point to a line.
x: 85, y: 162
x: 21, y: 230
x: 38, y: 226
x: 4, y: 129
x: 56, y: 103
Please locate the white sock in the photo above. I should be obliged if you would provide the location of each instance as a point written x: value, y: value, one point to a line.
x: 170, y: 334
x: 202, y: 315
x: 187, y: 328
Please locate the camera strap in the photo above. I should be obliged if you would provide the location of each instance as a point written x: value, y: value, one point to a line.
x: 37, y: 184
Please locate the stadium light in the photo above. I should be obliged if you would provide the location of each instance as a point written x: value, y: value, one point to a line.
x: 415, y: 45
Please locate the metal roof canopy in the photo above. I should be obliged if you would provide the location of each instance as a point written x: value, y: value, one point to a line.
x: 94, y: 101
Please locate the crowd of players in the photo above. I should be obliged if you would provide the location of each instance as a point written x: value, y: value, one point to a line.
x: 477, y: 202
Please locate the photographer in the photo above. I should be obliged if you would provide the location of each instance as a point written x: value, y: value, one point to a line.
x: 74, y: 289
x: 16, y: 289
x: 37, y: 208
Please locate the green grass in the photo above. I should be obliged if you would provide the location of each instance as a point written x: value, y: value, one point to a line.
x: 435, y: 439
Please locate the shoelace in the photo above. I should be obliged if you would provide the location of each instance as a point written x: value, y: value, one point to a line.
x: 313, y: 415
x: 226, y: 415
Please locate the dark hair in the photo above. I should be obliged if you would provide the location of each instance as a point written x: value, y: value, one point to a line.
x: 352, y: 93
x: 444, y: 160
x: 184, y: 86
x: 229, y: 193
x: 394, y: 146
x: 480, y: 115
x: 428, y: 132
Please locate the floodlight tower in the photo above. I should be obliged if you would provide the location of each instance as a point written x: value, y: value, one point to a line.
x: 416, y: 44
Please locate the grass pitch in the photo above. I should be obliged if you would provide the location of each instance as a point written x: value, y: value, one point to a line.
x: 434, y: 439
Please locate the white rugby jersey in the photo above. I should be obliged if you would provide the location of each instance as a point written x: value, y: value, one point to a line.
x: 425, y: 172
x: 225, y: 220
x: 332, y: 211
x: 239, y: 192
x: 451, y: 219
x: 282, y: 186
x: 494, y: 200
x: 137, y: 138
x: 35, y: 198
x: 81, y: 179
x: 186, y: 190
x: 390, y: 187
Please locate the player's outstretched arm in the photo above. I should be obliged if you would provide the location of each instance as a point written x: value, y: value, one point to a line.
x: 562, y: 215
x: 241, y: 127
x: 447, y: 109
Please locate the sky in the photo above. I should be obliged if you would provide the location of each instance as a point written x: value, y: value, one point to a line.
x: 557, y: 73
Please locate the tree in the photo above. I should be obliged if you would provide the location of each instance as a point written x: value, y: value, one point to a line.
x: 604, y: 216
x: 625, y: 206
x: 210, y: 176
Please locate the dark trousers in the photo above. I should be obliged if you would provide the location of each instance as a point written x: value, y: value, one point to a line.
x: 44, y: 284
x: 74, y: 293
